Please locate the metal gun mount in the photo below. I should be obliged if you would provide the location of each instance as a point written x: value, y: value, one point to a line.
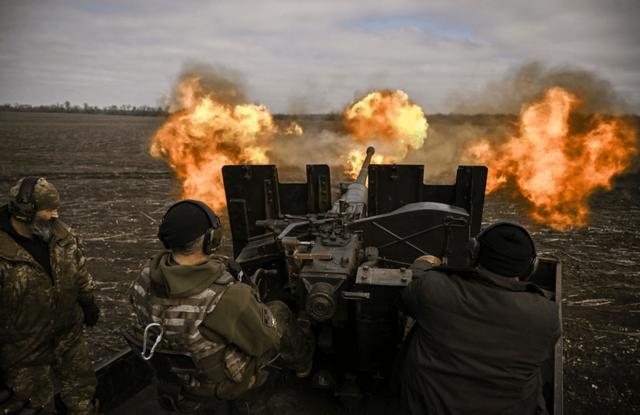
x: 341, y: 265
x: 401, y: 219
x: 260, y: 206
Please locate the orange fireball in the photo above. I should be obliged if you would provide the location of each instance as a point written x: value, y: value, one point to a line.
x: 355, y: 158
x: 205, y: 134
x: 293, y: 129
x: 387, y: 120
x: 555, y: 169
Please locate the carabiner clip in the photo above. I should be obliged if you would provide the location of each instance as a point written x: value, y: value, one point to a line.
x: 144, y: 341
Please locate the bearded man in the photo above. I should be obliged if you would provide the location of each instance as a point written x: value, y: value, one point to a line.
x: 46, y: 293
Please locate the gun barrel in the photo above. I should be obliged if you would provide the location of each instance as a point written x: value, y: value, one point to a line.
x: 356, y: 195
x: 364, y: 170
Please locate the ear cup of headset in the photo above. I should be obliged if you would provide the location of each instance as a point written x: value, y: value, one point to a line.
x: 216, y: 237
x: 206, y: 242
x: 211, y: 240
x: 23, y: 207
x: 216, y: 233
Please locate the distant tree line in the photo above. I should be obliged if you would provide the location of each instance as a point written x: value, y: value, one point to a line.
x: 88, y: 109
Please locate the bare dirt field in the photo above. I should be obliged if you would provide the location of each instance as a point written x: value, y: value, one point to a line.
x: 113, y: 194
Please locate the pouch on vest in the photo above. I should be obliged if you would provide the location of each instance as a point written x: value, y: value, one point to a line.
x: 235, y: 363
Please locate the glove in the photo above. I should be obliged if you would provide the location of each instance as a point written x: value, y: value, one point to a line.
x: 234, y: 269
x: 8, y: 402
x: 91, y: 311
x: 11, y: 405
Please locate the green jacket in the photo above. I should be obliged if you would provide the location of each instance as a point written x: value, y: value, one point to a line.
x: 33, y: 311
x: 239, y: 319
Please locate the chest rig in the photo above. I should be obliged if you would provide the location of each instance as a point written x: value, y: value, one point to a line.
x: 180, y: 318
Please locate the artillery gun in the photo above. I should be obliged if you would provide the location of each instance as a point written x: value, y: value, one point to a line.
x: 341, y: 265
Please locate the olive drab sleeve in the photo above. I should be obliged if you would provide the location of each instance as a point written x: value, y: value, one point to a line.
x: 241, y: 319
x: 4, y: 310
x: 11, y: 295
x: 83, y: 277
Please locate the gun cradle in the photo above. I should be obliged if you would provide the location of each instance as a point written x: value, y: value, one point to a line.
x: 341, y: 266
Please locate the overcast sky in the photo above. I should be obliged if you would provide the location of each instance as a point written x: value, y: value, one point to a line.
x: 307, y: 56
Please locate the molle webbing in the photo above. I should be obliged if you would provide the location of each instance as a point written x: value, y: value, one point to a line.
x: 180, y: 317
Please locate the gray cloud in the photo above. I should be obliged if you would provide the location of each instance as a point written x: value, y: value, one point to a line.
x: 529, y: 82
x: 321, y: 54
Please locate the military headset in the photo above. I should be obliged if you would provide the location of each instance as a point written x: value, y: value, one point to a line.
x: 23, y: 207
x: 474, y: 247
x: 212, y: 236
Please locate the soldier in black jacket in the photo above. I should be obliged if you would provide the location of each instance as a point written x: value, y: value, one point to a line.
x: 480, y: 337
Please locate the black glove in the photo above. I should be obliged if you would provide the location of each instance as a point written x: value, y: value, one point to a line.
x: 234, y: 269
x: 8, y: 402
x: 90, y: 310
x: 11, y: 405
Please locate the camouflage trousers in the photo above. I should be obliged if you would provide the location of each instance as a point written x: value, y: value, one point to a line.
x: 296, y: 346
x: 71, y: 366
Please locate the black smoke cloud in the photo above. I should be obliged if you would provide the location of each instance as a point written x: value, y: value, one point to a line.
x: 528, y: 83
x: 220, y: 82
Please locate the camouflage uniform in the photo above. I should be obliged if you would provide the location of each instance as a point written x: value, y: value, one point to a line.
x: 41, y: 322
x: 220, y: 323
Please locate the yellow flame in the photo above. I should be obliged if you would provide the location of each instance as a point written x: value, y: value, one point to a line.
x: 389, y: 121
x: 205, y: 134
x: 554, y: 169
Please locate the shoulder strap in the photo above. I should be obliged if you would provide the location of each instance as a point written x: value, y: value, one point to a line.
x: 225, y: 279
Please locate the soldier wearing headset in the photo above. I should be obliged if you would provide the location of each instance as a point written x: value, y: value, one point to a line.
x: 46, y: 294
x: 189, y: 304
x: 481, y: 336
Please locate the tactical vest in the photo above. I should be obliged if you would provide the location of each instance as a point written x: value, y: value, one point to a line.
x: 181, y: 317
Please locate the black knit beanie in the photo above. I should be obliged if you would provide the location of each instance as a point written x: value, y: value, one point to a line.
x: 183, y: 223
x: 506, y: 249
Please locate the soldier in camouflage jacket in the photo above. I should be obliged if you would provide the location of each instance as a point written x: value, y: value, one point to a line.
x: 210, y: 316
x: 46, y: 292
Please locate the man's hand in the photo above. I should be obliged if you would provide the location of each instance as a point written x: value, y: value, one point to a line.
x: 90, y: 310
x: 9, y: 404
x: 234, y: 269
x: 423, y: 264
